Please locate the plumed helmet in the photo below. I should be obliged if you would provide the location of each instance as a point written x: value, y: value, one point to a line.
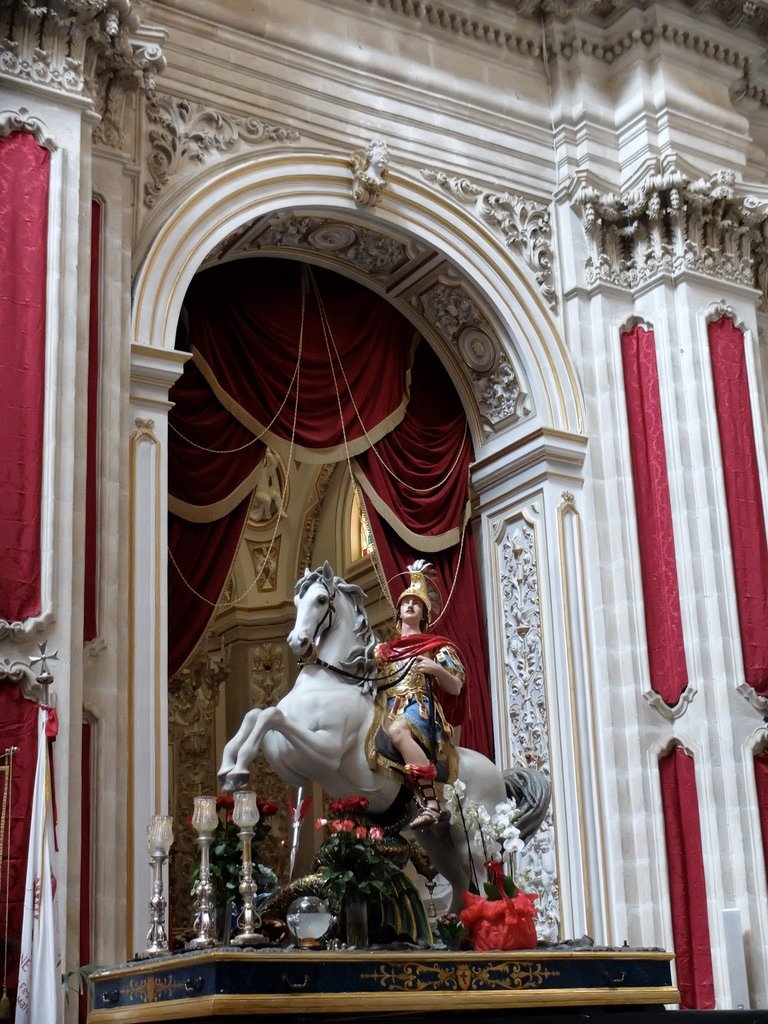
x: 419, y: 586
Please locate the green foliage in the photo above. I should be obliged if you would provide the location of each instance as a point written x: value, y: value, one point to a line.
x: 492, y: 891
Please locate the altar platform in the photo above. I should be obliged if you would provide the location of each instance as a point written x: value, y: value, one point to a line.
x: 226, y: 983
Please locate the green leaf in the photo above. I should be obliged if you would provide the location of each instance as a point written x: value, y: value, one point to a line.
x: 509, y: 886
x: 491, y: 892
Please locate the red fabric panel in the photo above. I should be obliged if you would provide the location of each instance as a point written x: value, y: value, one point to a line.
x: 245, y: 320
x: 204, y: 552
x: 761, y: 781
x: 663, y: 623
x: 200, y: 429
x: 746, y: 517
x: 90, y: 593
x: 687, y: 884
x: 18, y: 728
x: 24, y: 182
x: 463, y: 622
x: 427, y: 456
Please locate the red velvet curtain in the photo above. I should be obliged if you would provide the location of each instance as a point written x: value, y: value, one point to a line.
x: 761, y: 782
x: 282, y: 352
x: 687, y: 884
x: 427, y: 496
x: 24, y: 182
x: 741, y: 478
x: 90, y: 595
x: 663, y: 622
x: 18, y: 728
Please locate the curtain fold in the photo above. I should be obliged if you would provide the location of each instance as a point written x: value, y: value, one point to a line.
x: 279, y: 352
x: 24, y: 186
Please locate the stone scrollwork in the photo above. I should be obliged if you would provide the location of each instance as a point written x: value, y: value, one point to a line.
x: 453, y: 312
x: 97, y: 48
x: 524, y: 224
x: 370, y: 167
x: 526, y: 704
x: 187, y: 132
x: 670, y: 224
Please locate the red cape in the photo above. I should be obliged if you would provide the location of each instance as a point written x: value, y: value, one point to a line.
x: 413, y: 645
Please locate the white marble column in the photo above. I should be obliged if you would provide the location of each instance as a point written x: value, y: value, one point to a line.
x: 153, y: 371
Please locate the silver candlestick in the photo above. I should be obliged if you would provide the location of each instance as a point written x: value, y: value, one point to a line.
x: 159, y: 839
x: 246, y: 816
x: 204, y: 822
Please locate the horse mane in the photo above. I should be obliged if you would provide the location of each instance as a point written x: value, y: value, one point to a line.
x: 360, y: 661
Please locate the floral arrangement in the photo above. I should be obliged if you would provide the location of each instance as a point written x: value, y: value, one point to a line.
x: 451, y: 930
x: 226, y: 853
x: 502, y: 918
x: 352, y: 856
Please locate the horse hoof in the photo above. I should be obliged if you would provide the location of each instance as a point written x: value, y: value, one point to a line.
x: 233, y: 781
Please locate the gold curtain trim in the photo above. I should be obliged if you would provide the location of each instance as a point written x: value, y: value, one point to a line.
x: 347, y: 449
x: 422, y: 543
x: 210, y: 513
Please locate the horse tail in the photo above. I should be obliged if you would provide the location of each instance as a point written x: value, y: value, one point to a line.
x: 531, y: 791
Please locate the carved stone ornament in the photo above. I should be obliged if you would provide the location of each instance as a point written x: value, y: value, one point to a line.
x: 193, y: 695
x: 524, y: 224
x: 497, y: 388
x: 370, y: 250
x: 526, y: 704
x: 671, y: 224
x: 96, y: 48
x: 187, y: 133
x: 370, y: 167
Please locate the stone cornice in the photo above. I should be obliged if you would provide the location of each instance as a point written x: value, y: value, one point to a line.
x: 670, y: 224
x: 96, y: 49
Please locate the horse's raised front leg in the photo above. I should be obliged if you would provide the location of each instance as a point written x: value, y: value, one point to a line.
x: 231, y: 774
x: 319, y: 748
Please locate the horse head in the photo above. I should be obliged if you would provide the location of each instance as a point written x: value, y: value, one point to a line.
x: 327, y: 605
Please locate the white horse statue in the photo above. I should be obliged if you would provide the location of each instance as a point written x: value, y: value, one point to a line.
x: 317, y: 731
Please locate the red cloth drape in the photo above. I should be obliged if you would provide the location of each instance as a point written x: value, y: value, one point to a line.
x: 201, y: 559
x: 761, y: 782
x: 24, y: 183
x: 663, y: 622
x: 243, y: 323
x: 18, y: 728
x: 90, y: 596
x: 687, y: 884
x: 432, y: 453
x: 741, y: 478
x: 256, y: 304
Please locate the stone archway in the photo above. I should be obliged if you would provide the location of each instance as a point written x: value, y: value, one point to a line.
x: 480, y: 309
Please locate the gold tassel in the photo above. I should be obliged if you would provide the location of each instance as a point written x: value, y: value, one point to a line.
x: 5, y: 1005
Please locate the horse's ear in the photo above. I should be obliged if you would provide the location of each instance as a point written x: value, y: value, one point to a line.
x: 327, y: 571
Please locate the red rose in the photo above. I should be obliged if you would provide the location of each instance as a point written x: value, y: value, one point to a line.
x: 267, y: 807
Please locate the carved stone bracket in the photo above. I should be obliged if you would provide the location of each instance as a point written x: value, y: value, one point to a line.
x: 187, y: 133
x: 524, y: 224
x: 497, y: 388
x: 370, y: 167
x: 96, y: 48
x: 671, y: 224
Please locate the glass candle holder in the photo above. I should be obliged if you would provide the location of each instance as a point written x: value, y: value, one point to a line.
x: 204, y: 821
x: 159, y: 839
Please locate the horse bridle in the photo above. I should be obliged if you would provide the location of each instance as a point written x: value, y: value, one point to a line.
x: 319, y: 631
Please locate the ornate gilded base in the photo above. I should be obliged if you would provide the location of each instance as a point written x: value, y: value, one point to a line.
x: 229, y: 983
